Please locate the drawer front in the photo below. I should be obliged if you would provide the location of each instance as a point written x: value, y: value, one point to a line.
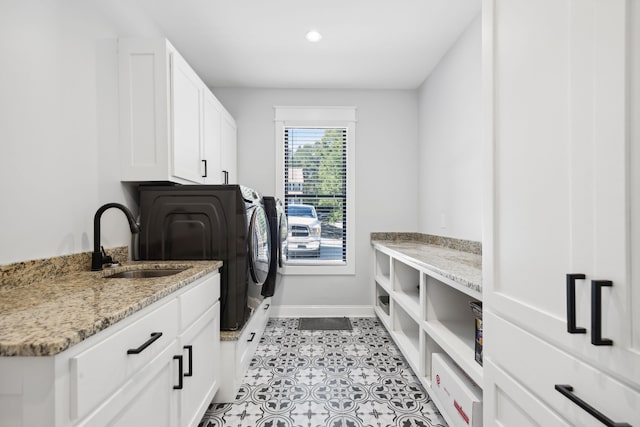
x: 250, y: 337
x: 507, y: 403
x: 197, y: 300
x: 98, y: 371
x: 539, y: 367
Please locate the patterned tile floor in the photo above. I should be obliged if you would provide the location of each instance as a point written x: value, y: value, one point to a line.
x: 352, y: 378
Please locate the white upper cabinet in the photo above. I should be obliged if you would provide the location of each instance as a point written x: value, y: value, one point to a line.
x: 229, y: 149
x: 561, y: 81
x: 167, y: 124
x: 186, y: 107
x: 212, y: 139
x: 219, y: 143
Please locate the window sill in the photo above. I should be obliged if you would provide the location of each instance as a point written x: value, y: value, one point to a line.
x: 326, y: 269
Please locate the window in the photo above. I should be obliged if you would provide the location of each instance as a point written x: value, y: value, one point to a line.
x: 315, y: 170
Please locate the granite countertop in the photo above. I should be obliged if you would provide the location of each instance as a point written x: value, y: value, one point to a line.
x: 46, y: 317
x: 461, y: 266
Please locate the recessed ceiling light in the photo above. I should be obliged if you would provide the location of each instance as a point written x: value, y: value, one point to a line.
x: 313, y: 36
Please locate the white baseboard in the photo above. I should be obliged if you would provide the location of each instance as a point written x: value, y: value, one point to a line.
x: 322, y: 311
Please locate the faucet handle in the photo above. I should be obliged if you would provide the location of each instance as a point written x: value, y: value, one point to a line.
x: 106, y: 259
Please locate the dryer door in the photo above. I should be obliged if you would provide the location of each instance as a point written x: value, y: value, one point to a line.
x: 283, y: 232
x: 259, y: 245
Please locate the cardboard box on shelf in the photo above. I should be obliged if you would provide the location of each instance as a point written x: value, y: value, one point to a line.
x: 461, y: 397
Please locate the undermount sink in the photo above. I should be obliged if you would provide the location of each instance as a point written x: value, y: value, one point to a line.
x: 145, y: 273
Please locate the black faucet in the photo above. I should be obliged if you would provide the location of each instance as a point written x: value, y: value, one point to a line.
x: 99, y: 257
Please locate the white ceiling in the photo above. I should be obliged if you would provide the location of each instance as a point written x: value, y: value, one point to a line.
x: 367, y: 44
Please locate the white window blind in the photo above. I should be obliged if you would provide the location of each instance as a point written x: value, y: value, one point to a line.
x: 315, y: 170
x: 315, y: 174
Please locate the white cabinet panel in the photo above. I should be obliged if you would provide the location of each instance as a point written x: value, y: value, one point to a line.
x: 148, y: 398
x: 236, y: 354
x: 212, y: 139
x: 563, y: 127
x: 220, y: 136
x: 200, y: 351
x: 229, y: 149
x: 541, y: 366
x: 186, y: 107
x: 562, y: 186
x: 97, y: 372
x: 507, y: 403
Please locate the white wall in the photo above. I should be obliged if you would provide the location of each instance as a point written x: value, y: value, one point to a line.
x: 450, y: 136
x: 386, y: 174
x: 59, y: 124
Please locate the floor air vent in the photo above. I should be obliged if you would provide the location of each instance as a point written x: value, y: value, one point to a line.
x: 324, y: 324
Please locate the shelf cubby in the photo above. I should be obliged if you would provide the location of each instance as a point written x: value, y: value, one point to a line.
x: 430, y: 346
x: 406, y: 284
x: 406, y: 333
x: 383, y: 268
x: 382, y: 301
x: 450, y: 322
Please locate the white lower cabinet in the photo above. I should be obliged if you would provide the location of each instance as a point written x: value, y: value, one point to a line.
x: 158, y: 367
x: 200, y: 374
x: 426, y: 313
x: 236, y: 354
x: 509, y: 403
x: 561, y: 242
x: 147, y: 398
x: 544, y: 368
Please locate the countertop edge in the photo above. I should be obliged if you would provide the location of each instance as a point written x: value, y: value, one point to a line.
x: 474, y: 286
x: 66, y: 340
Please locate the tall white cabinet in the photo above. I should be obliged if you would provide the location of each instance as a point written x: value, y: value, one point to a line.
x: 562, y: 248
x: 172, y: 128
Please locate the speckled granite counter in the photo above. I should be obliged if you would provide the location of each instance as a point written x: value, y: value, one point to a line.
x: 48, y: 316
x: 463, y: 266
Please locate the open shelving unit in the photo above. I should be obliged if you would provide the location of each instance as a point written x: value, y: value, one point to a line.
x: 425, y: 313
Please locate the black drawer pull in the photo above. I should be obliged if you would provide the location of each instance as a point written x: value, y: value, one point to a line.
x: 180, y: 372
x: 253, y: 335
x: 189, y: 348
x: 147, y: 343
x: 571, y: 304
x: 205, y: 168
x: 596, y: 312
x: 566, y: 390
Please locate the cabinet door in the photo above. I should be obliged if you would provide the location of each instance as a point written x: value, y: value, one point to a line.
x: 201, y: 352
x: 187, y: 89
x: 229, y: 149
x: 508, y: 403
x: 147, y: 399
x: 153, y: 406
x: 563, y: 192
x: 212, y: 136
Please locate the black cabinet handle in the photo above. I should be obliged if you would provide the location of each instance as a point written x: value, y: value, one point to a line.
x: 566, y: 390
x: 266, y: 306
x: 596, y: 312
x: 147, y: 343
x: 180, y: 372
x: 205, y: 168
x: 571, y: 304
x: 189, y: 348
x: 226, y: 176
x: 253, y: 335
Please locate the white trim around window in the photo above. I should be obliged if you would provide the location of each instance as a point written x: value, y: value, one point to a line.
x: 320, y: 117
